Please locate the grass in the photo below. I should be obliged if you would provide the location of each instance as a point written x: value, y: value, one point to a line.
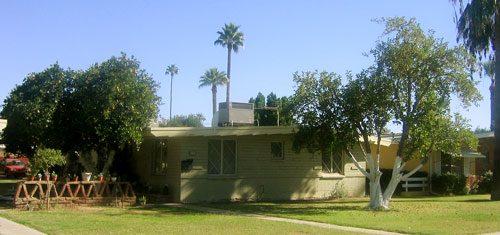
x: 151, y: 220
x: 472, y: 214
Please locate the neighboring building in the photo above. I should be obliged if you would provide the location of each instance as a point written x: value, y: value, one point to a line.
x: 241, y: 163
x: 487, y: 148
x: 438, y: 162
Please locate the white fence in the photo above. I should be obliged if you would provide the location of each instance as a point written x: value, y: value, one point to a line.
x: 417, y: 182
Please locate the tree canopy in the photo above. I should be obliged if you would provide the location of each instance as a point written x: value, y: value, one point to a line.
x: 231, y: 38
x: 191, y: 120
x: 411, y: 83
x: 213, y: 78
x: 91, y: 112
x: 266, y: 109
x: 30, y: 108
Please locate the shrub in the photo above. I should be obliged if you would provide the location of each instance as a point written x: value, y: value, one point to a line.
x: 449, y: 183
x: 484, y: 184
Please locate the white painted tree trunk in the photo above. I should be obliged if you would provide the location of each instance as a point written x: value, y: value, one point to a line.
x: 380, y: 199
x: 88, y: 163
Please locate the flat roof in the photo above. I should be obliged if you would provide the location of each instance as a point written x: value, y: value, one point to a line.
x: 218, y: 131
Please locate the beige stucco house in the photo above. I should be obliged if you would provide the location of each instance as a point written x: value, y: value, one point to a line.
x: 241, y: 163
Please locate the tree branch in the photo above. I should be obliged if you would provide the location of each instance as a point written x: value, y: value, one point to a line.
x: 360, y: 168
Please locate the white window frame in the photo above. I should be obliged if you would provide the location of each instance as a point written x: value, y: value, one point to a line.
x: 282, y: 150
x: 221, y: 169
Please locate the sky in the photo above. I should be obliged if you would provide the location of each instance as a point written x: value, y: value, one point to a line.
x: 281, y: 37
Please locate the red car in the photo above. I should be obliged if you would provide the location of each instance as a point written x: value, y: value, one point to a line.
x: 13, y: 167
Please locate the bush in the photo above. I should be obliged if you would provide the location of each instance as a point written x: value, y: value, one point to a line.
x: 449, y: 183
x: 484, y: 184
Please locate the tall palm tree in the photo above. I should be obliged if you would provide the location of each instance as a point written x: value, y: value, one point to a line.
x: 232, y: 39
x: 171, y: 70
x: 489, y: 70
x: 213, y: 77
x: 478, y: 22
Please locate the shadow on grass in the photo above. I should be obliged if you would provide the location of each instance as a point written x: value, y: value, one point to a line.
x: 311, y: 208
x: 162, y: 209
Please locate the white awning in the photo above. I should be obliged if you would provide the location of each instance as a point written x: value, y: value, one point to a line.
x: 471, y: 154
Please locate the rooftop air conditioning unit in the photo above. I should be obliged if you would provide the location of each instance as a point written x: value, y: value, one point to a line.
x: 235, y: 114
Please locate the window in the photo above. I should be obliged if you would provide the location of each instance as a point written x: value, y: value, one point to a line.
x: 332, y: 162
x: 451, y: 164
x: 222, y: 157
x: 277, y: 152
x: 160, y: 157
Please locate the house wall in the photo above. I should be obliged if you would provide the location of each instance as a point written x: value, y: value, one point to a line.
x: 487, y: 148
x: 258, y: 177
x: 143, y: 166
x: 388, y: 155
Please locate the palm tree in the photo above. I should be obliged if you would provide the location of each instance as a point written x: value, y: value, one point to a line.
x: 489, y: 70
x: 478, y: 22
x: 212, y: 77
x: 232, y: 39
x: 172, y: 70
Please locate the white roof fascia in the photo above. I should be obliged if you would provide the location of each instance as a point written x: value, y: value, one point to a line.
x: 219, y: 131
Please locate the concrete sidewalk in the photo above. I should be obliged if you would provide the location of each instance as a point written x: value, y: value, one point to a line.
x: 8, y: 227
x: 316, y: 224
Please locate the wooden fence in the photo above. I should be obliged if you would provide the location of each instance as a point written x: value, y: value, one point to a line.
x: 74, y: 193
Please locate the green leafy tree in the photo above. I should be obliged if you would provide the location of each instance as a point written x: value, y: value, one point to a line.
x: 213, y: 78
x: 411, y: 84
x: 231, y: 38
x: 29, y: 110
x: 260, y: 101
x: 478, y: 22
x: 272, y: 100
x: 267, y: 115
x: 171, y: 70
x: 106, y: 107
x: 424, y: 73
x: 45, y: 158
x: 192, y: 120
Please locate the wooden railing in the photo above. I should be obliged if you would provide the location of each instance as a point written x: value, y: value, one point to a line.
x: 74, y: 193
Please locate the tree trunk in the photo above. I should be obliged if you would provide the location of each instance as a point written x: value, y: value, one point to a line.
x: 214, y: 98
x: 171, y: 85
x: 109, y: 162
x: 495, y: 187
x: 229, y: 49
x: 86, y: 160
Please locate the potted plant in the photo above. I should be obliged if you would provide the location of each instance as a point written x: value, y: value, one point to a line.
x: 100, y: 177
x: 113, y: 178
x: 108, y: 176
x: 142, y: 200
x: 46, y: 176
x: 31, y: 175
x: 67, y: 178
x: 86, y: 176
x: 54, y: 176
x: 75, y: 177
x: 39, y: 176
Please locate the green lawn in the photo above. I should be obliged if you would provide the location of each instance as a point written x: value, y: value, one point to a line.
x: 473, y: 214
x: 151, y: 220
